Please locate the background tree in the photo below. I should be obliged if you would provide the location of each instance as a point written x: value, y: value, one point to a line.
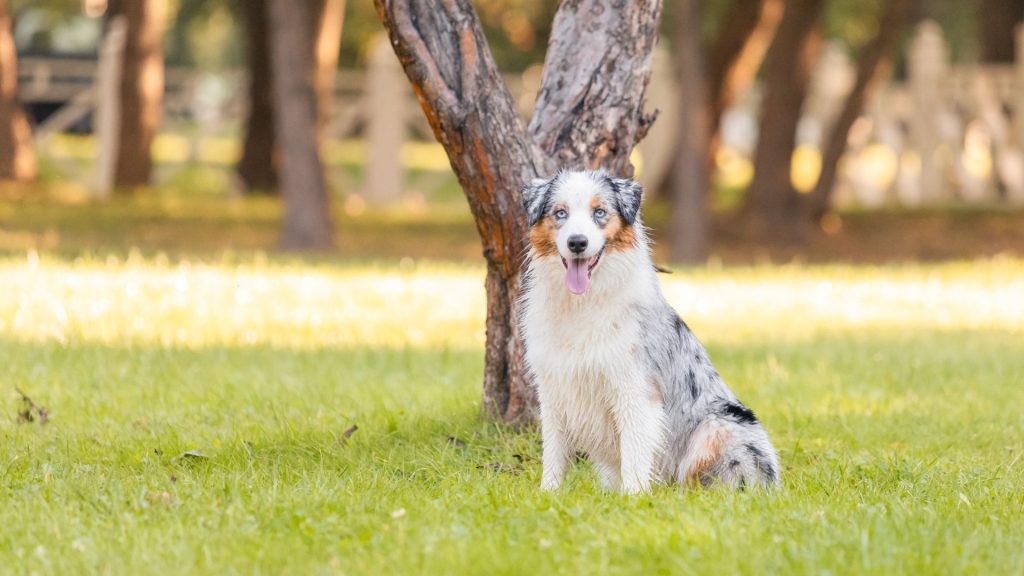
x: 142, y: 89
x: 773, y: 206
x: 873, y: 67
x: 258, y: 166
x: 17, y: 156
x: 297, y: 121
x: 710, y: 81
x: 588, y: 114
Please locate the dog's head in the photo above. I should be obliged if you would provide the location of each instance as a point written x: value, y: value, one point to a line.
x: 579, y: 217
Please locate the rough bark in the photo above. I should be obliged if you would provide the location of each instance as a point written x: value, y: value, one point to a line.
x: 872, y: 69
x: 688, y: 240
x: 306, y: 222
x: 142, y: 90
x: 997, y: 26
x: 588, y: 114
x: 17, y: 156
x: 773, y: 206
x: 259, y: 165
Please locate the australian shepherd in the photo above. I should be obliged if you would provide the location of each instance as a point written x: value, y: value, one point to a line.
x: 619, y: 375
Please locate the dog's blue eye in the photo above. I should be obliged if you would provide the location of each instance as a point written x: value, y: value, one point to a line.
x: 600, y: 213
x: 561, y: 214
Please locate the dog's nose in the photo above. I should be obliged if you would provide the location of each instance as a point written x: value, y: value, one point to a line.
x: 577, y: 243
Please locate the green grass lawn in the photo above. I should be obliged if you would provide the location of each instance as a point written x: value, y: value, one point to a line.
x: 198, y: 411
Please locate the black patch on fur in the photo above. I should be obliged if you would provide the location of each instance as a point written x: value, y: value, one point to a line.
x: 691, y: 383
x: 739, y: 413
x: 754, y: 451
x: 536, y: 199
x: 681, y: 327
x: 627, y: 194
x: 734, y: 463
x: 762, y: 466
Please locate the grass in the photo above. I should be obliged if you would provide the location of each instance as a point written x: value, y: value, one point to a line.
x: 198, y: 412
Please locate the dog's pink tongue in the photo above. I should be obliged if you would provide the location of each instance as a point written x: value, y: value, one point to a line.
x: 577, y: 278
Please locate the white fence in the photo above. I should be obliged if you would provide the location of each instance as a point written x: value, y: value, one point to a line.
x: 948, y: 134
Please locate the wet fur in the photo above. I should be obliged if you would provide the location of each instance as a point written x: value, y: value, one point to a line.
x: 619, y: 375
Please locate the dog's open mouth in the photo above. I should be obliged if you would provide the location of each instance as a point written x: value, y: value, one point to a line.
x: 577, y: 272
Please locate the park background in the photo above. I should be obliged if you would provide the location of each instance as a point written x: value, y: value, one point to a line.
x: 216, y: 364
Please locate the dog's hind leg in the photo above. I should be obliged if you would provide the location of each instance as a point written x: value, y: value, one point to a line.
x: 734, y: 455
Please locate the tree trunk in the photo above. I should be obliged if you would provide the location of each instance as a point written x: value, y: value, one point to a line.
x: 773, y: 205
x: 873, y: 68
x: 331, y: 19
x: 588, y: 114
x: 997, y: 25
x: 307, y: 223
x: 17, y: 156
x: 142, y: 90
x: 259, y: 164
x: 743, y: 40
x: 689, y: 229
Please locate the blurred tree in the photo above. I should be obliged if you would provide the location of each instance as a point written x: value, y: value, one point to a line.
x: 773, y: 206
x: 998, y: 21
x: 259, y: 165
x: 299, y: 82
x: 17, y: 156
x: 709, y: 88
x: 142, y: 89
x: 873, y: 67
x: 588, y: 114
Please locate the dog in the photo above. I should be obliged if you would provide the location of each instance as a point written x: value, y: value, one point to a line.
x: 619, y: 375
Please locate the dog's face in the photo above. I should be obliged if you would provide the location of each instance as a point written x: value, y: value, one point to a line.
x: 579, y: 217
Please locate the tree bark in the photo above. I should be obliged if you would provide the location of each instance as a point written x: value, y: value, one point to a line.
x: 874, y: 66
x: 688, y: 239
x: 997, y: 26
x: 773, y: 206
x: 259, y: 165
x: 142, y: 90
x: 331, y: 20
x: 17, y: 156
x: 307, y: 223
x: 588, y: 114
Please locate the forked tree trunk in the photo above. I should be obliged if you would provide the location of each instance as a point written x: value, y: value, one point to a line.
x: 691, y: 168
x: 142, y: 90
x: 589, y: 113
x: 773, y: 205
x: 259, y: 164
x: 17, y: 156
x: 307, y: 223
x: 873, y: 68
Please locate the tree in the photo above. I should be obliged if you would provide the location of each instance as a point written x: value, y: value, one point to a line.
x: 773, y: 206
x: 297, y: 121
x: 726, y: 70
x: 17, y: 157
x: 258, y: 166
x: 588, y: 114
x: 691, y: 169
x: 142, y: 89
x: 998, y: 21
x: 873, y: 67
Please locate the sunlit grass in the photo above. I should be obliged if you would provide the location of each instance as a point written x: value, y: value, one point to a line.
x: 891, y: 393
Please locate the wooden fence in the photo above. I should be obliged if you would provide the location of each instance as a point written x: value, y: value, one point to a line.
x: 948, y: 134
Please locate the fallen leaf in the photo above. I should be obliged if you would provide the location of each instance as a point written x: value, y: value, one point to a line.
x: 192, y: 455
x: 453, y: 441
x: 348, y: 434
x: 503, y: 467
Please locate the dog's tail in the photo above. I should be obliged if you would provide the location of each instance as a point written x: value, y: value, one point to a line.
x: 736, y: 454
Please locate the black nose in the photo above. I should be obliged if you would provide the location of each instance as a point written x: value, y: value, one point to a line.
x: 577, y: 243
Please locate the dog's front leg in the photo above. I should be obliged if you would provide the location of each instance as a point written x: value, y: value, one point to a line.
x: 556, y: 450
x: 639, y: 418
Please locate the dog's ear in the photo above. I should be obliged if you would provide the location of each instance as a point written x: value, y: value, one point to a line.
x: 535, y: 196
x: 627, y: 193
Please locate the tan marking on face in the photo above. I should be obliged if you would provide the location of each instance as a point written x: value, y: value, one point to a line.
x: 710, y: 453
x: 618, y: 236
x: 542, y: 237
